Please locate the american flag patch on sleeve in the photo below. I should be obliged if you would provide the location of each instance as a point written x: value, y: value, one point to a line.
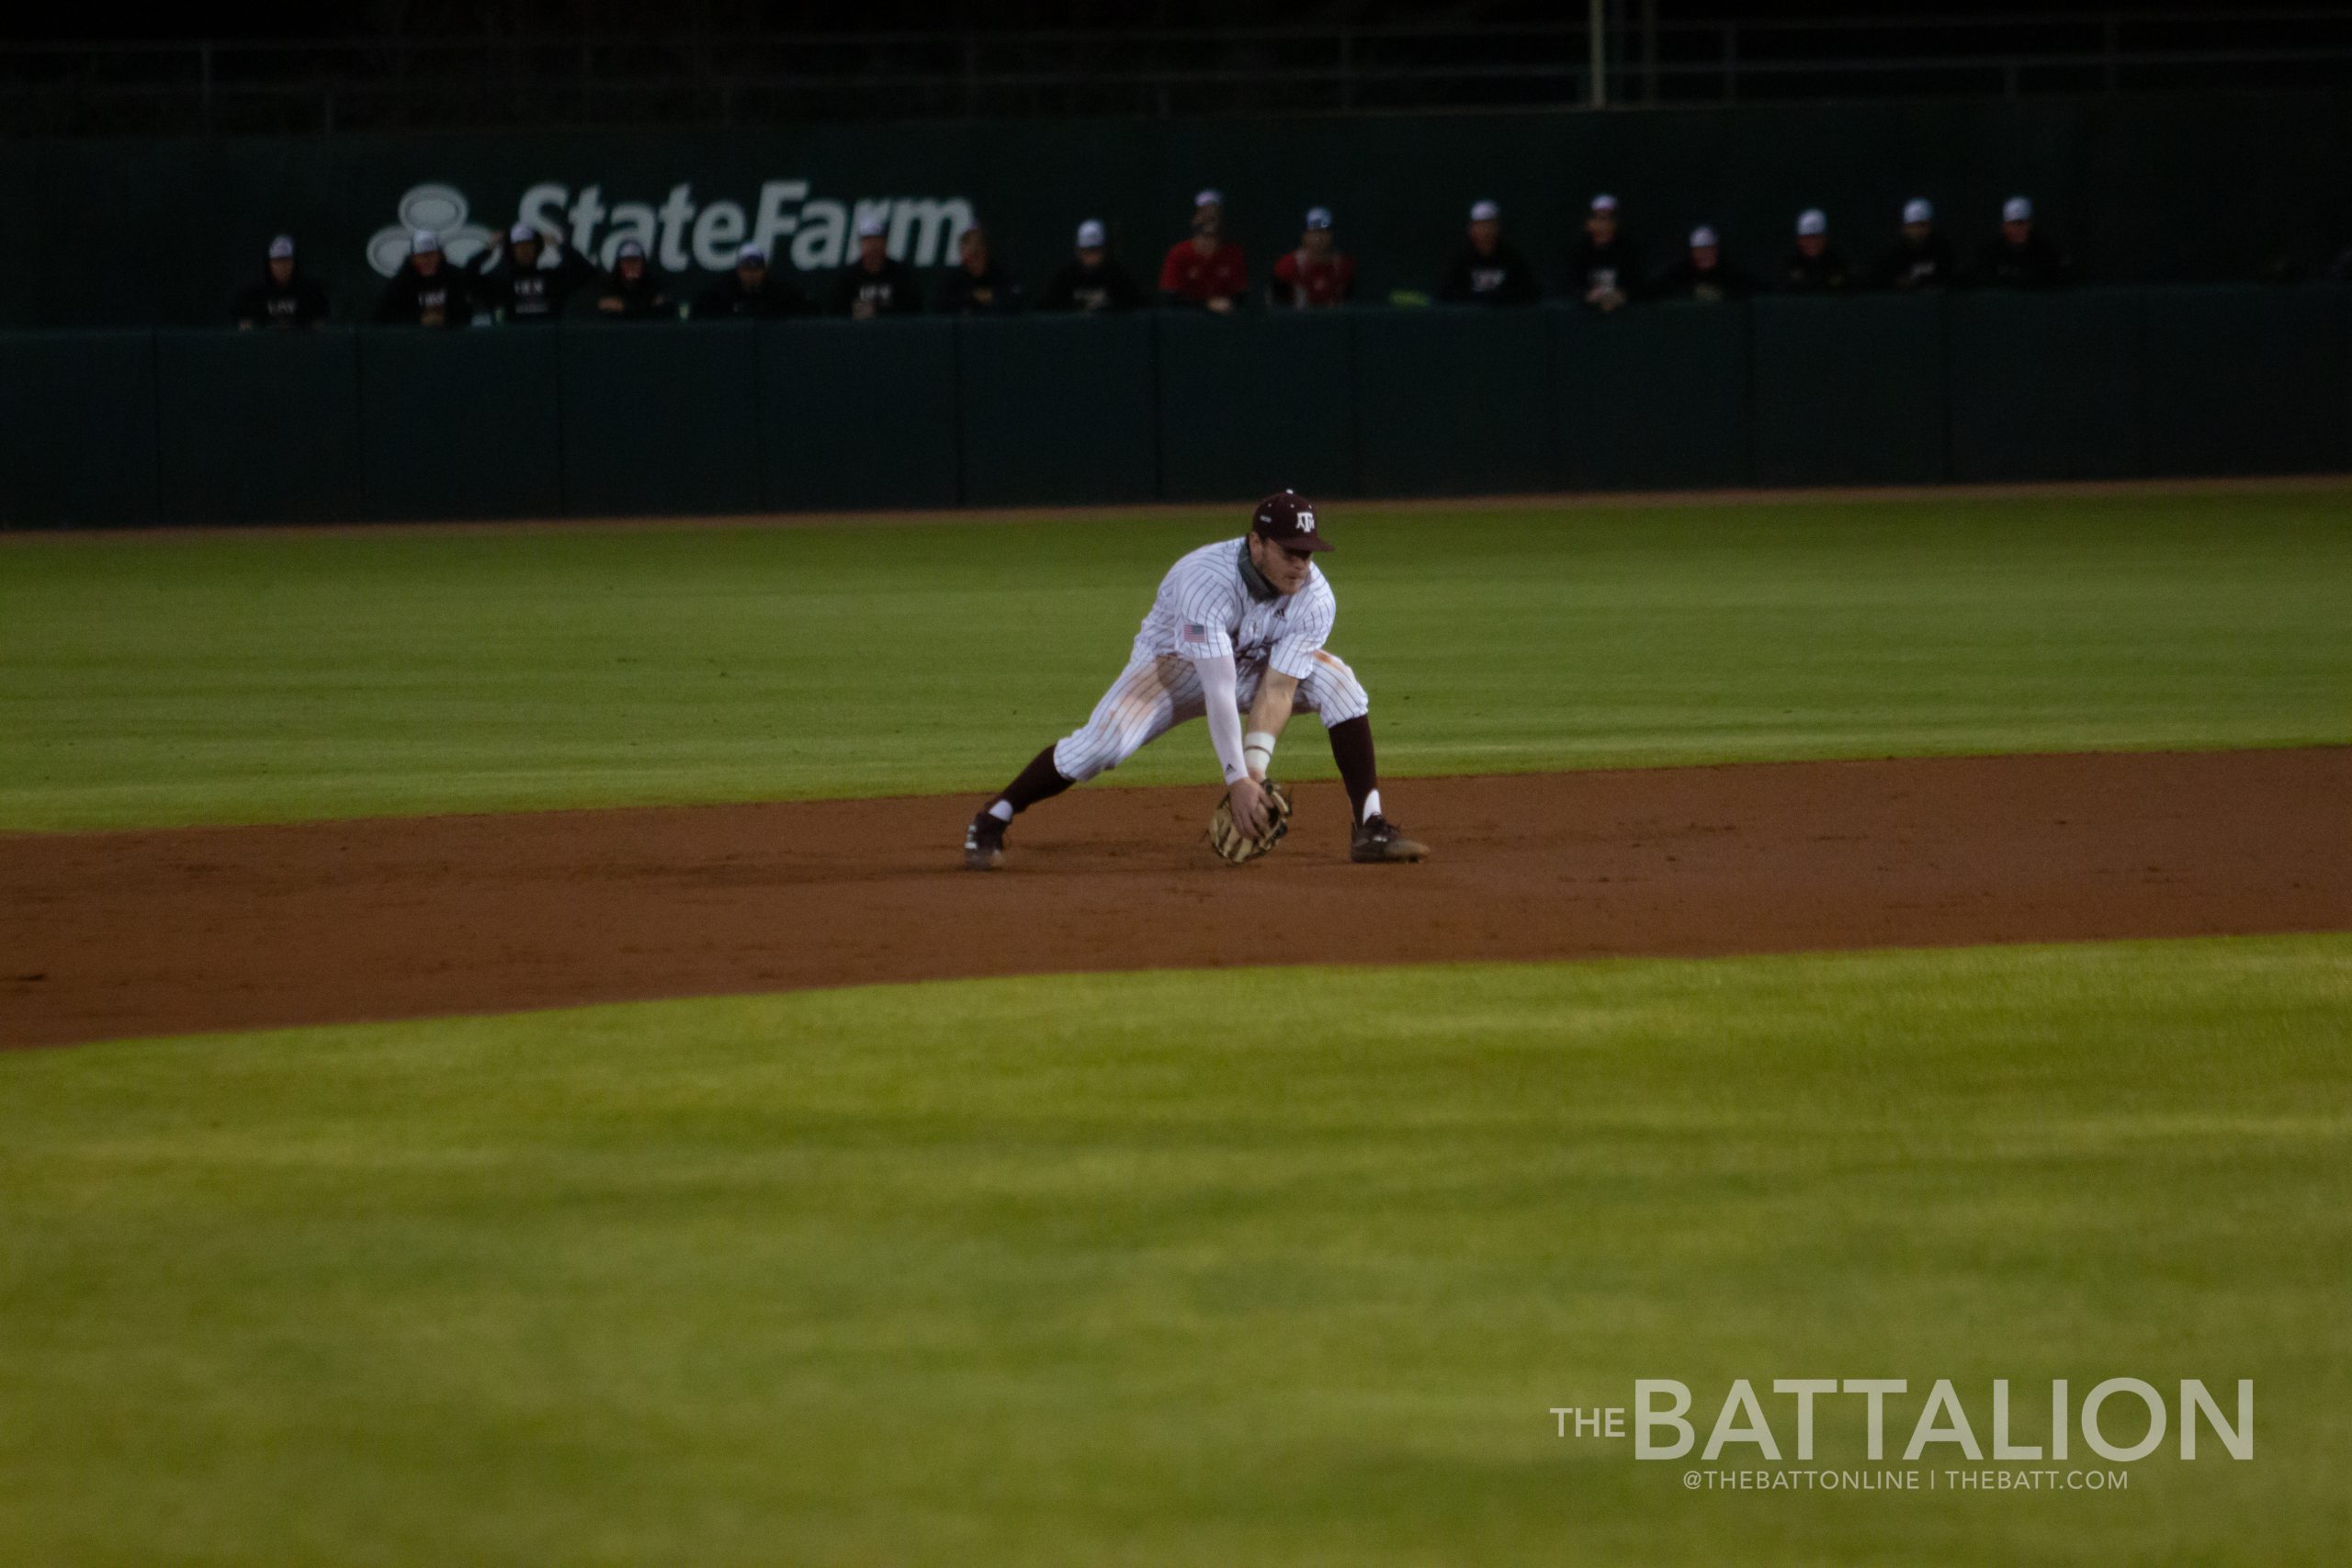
x: 1191, y: 631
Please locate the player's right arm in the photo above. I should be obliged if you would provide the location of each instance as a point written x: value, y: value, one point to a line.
x: 1220, y: 686
x: 1203, y: 613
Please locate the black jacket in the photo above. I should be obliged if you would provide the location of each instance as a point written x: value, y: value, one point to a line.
x: 892, y: 291
x: 412, y: 300
x: 1616, y: 265
x: 992, y: 293
x: 532, y: 296
x: 1501, y: 277
x: 1925, y: 265
x: 1081, y: 287
x: 647, y: 299
x: 2036, y: 264
x: 776, y: 298
x: 1817, y: 274
x: 298, y: 302
x: 1720, y: 282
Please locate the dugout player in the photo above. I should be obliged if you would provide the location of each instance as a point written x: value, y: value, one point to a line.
x: 1922, y: 258
x: 1093, y: 279
x: 1205, y: 272
x: 1815, y: 267
x: 1486, y: 271
x: 978, y: 284
x: 1704, y: 273
x: 633, y: 291
x: 1316, y: 274
x: 283, y: 299
x: 426, y: 291
x: 529, y: 280
x: 1604, y: 269
x: 751, y: 292
x: 2021, y: 256
x: 1236, y: 626
x: 877, y: 283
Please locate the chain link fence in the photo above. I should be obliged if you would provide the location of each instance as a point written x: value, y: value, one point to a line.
x: 689, y: 79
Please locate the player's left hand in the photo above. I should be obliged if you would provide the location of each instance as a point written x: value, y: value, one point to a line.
x: 1237, y: 843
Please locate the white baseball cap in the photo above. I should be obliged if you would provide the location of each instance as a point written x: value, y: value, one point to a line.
x: 2017, y: 210
x: 752, y: 255
x: 1483, y: 212
x: 870, y: 227
x: 1210, y: 197
x: 282, y: 248
x: 1318, y: 217
x: 424, y: 242
x: 1090, y: 234
x: 1701, y: 235
x: 1604, y: 202
x: 630, y: 248
x: 1918, y: 209
x: 1812, y: 221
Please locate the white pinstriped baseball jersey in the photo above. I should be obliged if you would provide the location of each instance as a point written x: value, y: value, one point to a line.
x: 1204, y: 609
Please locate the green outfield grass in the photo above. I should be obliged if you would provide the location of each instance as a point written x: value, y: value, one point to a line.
x: 1030, y: 1271
x: 227, y: 679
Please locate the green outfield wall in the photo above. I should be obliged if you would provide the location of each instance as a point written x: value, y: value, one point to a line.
x: 182, y: 427
x: 2198, y: 188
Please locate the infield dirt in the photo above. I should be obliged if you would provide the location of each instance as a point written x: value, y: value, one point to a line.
x: 116, y: 934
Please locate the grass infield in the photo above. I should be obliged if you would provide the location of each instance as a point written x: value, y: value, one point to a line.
x: 202, y: 678
x: 1044, y: 1270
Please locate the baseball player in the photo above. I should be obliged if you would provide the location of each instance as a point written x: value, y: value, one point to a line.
x: 1238, y: 626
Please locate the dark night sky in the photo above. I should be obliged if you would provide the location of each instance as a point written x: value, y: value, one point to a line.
x: 445, y: 18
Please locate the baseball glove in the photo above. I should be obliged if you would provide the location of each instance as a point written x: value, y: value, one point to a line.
x: 1226, y: 837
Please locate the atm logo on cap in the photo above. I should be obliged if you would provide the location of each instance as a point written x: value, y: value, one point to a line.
x: 681, y: 233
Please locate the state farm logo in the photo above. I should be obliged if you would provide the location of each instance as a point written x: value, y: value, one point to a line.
x: 681, y: 233
x: 442, y: 209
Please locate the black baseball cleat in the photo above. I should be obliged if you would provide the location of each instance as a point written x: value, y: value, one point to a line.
x: 1377, y: 840
x: 984, y: 844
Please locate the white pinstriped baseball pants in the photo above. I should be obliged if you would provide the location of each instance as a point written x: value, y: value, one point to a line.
x: 1153, y: 695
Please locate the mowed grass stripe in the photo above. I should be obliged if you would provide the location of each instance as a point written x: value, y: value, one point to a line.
x: 194, y: 679
x: 1259, y: 1266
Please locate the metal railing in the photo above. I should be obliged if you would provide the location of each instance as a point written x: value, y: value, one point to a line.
x: 713, y: 79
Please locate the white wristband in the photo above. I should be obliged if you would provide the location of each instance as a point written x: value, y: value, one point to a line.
x: 1258, y: 750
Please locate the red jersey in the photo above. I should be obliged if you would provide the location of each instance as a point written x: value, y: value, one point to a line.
x: 1197, y: 279
x: 1303, y: 283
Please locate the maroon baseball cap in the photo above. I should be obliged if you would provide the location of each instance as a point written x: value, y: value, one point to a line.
x: 1287, y: 518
